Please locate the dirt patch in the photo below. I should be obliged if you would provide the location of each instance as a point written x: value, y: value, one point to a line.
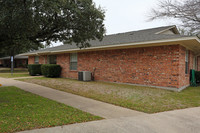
x: 123, y: 91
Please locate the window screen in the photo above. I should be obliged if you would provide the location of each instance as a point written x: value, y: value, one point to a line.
x: 52, y: 59
x: 73, y: 61
x: 36, y: 59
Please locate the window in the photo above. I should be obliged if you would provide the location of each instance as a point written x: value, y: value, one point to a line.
x: 186, y: 62
x: 52, y: 59
x: 73, y: 61
x: 36, y: 59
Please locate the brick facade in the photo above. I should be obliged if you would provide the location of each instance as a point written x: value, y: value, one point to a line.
x: 63, y: 60
x: 156, y: 66
x: 184, y: 78
x: 31, y: 60
x: 198, y: 63
x: 18, y: 63
x: 42, y: 59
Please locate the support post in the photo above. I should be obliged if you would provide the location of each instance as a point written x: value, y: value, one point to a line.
x: 12, y: 65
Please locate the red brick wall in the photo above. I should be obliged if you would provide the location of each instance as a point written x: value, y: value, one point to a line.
x: 63, y: 60
x: 191, y: 60
x: 184, y: 78
x: 42, y: 59
x: 156, y: 66
x: 31, y: 60
x: 18, y: 63
x: 198, y: 63
x: 21, y: 63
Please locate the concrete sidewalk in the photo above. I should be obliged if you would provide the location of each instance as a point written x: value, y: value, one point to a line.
x: 121, y: 120
x: 98, y: 108
x: 179, y: 121
x: 29, y: 77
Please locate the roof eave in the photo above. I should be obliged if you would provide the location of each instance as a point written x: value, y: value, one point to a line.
x: 172, y: 27
x: 36, y: 53
x: 140, y: 44
x: 118, y: 46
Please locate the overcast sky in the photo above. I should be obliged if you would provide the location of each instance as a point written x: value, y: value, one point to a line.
x: 128, y: 15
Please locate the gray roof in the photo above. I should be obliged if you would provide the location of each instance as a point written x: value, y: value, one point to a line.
x: 16, y: 57
x: 122, y: 38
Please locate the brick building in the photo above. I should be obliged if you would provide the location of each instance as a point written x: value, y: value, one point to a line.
x: 153, y: 57
x: 19, y: 61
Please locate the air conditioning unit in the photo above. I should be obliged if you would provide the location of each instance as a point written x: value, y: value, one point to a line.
x: 84, y: 76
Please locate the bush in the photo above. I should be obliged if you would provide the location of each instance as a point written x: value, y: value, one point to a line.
x: 51, y: 70
x: 34, y: 69
x: 197, y: 76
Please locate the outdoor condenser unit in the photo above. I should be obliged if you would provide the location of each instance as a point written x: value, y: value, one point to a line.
x: 84, y: 76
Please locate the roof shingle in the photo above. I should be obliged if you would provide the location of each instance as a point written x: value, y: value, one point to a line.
x: 122, y: 38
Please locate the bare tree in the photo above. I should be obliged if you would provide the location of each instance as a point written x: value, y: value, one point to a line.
x: 186, y: 11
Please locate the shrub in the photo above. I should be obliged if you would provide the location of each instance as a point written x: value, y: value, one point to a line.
x: 34, y: 69
x: 51, y: 70
x: 197, y: 76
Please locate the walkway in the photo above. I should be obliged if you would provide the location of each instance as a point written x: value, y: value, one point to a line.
x: 98, y: 108
x: 28, y: 77
x: 119, y: 120
x: 179, y: 121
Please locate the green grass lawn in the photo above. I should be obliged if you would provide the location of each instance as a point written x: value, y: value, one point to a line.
x: 15, y: 75
x: 145, y: 99
x: 18, y: 72
x: 20, y: 110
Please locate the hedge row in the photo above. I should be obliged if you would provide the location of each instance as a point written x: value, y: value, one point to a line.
x: 34, y: 69
x: 51, y: 70
x: 48, y: 70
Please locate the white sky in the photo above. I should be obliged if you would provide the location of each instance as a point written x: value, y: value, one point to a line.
x: 128, y: 15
